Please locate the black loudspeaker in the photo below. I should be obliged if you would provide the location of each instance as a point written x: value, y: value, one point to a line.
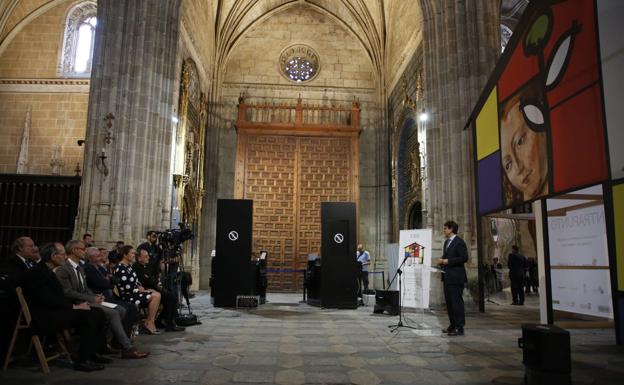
x: 545, y: 354
x: 313, y: 282
x: 338, y: 245
x: 386, y: 301
x: 233, y: 251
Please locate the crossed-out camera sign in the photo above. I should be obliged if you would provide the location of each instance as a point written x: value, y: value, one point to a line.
x: 233, y: 235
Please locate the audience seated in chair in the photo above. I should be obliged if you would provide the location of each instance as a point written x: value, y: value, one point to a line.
x: 52, y: 312
x: 24, y: 255
x: 150, y: 279
x: 72, y: 277
x: 99, y: 281
x: 130, y: 289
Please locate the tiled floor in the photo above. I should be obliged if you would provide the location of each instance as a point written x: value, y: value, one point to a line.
x: 285, y: 342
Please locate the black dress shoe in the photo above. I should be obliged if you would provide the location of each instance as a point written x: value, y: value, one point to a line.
x: 448, y: 329
x: 456, y: 332
x: 133, y: 353
x: 87, y: 366
x: 99, y: 359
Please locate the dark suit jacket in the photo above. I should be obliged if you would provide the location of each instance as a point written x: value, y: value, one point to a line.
x: 51, y: 311
x: 457, y: 255
x: 15, y: 270
x: 97, y: 281
x: 146, y: 276
x: 68, y: 279
x: 517, y: 264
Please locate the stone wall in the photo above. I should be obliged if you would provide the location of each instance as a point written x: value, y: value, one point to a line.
x: 28, y: 80
x: 346, y: 73
x: 344, y: 62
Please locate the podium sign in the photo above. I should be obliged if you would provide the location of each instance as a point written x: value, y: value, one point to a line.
x: 233, y: 250
x: 415, y: 245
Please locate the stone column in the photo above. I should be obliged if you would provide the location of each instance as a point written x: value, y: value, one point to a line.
x: 132, y: 78
x: 461, y: 41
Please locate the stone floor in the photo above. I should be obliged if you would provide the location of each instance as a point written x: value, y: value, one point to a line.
x: 285, y: 342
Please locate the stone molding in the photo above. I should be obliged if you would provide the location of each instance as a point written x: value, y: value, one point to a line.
x: 47, y: 86
x: 294, y: 87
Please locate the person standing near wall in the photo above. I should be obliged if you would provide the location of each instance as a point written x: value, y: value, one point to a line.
x: 517, y: 264
x: 363, y: 259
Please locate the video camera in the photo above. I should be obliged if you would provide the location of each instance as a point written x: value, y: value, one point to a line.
x: 171, y: 240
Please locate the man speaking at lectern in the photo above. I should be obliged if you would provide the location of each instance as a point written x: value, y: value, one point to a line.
x: 454, y: 255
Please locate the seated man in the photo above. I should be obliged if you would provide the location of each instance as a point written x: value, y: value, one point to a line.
x: 98, y: 280
x: 24, y: 256
x: 114, y: 255
x: 150, y: 280
x: 52, y: 312
x: 72, y: 277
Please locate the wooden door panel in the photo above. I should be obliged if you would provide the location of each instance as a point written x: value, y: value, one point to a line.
x: 288, y: 177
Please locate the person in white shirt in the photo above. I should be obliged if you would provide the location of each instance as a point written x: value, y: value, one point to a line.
x: 363, y: 259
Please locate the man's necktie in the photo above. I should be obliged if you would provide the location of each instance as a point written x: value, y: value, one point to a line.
x: 80, y: 283
x: 446, y: 244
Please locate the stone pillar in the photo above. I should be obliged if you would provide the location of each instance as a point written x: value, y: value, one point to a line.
x: 132, y: 78
x: 461, y: 41
x: 211, y: 166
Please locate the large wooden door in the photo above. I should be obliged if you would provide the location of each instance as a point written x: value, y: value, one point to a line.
x: 288, y: 177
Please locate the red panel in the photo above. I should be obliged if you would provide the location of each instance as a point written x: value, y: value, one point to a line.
x: 519, y: 70
x: 578, y: 145
x: 582, y: 68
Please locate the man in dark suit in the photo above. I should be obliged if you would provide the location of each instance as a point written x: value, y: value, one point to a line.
x: 150, y: 279
x: 74, y: 281
x: 517, y: 264
x: 24, y: 257
x: 100, y: 283
x: 52, y: 312
x: 454, y: 255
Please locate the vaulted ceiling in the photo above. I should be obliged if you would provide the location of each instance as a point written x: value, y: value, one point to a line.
x: 388, y: 30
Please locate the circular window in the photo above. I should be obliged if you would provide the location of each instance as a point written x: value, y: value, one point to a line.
x: 299, y: 63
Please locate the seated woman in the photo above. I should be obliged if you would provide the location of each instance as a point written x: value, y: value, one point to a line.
x: 131, y: 290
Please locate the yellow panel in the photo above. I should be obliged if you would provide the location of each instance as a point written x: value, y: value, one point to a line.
x: 618, y: 211
x: 487, y: 127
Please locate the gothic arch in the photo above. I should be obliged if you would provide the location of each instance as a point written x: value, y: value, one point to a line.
x: 414, y: 216
x: 27, y: 20
x: 405, y: 166
x: 230, y: 45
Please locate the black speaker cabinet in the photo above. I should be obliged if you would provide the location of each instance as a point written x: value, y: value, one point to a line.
x: 338, y: 245
x: 545, y: 354
x: 233, y: 250
x: 386, y: 301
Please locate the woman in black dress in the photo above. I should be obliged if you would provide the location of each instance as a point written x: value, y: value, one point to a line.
x: 131, y: 290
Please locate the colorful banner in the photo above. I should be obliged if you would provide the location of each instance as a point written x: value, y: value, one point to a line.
x: 539, y: 128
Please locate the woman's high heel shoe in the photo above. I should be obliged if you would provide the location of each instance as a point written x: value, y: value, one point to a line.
x: 154, y: 332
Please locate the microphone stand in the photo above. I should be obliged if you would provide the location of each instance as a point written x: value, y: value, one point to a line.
x: 400, y: 324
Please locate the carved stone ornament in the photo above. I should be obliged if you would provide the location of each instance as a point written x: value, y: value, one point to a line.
x: 78, y: 14
x: 299, y: 63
